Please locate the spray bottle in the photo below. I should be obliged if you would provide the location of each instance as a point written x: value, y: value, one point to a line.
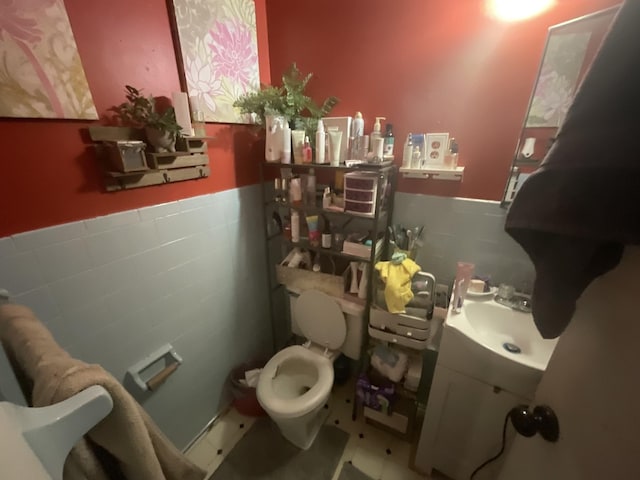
x: 376, y: 133
x: 358, y: 125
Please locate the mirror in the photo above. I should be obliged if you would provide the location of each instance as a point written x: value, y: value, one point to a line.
x: 568, y: 53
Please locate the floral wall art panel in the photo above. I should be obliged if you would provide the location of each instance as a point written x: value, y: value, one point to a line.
x: 41, y: 75
x: 558, y: 79
x: 219, y: 49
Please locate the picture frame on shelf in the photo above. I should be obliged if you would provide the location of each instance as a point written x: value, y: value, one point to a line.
x: 437, y: 144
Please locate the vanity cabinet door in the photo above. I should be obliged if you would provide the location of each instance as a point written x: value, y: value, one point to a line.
x: 463, y: 425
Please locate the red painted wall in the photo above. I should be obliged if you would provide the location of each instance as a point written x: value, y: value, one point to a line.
x: 47, y: 174
x: 428, y: 66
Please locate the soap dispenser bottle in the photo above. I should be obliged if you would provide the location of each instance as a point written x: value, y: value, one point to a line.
x: 376, y: 133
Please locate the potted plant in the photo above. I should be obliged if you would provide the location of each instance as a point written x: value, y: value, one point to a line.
x: 288, y: 100
x: 138, y: 111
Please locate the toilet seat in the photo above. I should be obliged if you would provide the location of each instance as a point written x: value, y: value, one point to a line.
x: 320, y: 319
x: 277, y: 404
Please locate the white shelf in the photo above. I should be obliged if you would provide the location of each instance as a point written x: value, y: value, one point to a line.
x: 435, y: 173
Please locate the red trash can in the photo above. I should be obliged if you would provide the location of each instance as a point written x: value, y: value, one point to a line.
x: 245, y: 399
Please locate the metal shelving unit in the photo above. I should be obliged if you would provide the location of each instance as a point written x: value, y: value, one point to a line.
x: 381, y: 219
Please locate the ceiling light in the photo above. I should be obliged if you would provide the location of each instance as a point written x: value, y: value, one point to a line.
x: 515, y: 10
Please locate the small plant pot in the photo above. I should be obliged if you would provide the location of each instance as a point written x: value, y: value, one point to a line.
x: 162, y: 141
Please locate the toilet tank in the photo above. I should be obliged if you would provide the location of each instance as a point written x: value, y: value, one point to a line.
x: 354, y: 316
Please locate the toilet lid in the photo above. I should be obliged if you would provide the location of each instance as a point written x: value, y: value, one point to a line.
x: 320, y: 319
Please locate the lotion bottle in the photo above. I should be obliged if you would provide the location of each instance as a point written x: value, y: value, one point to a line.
x: 320, y: 143
x: 376, y: 133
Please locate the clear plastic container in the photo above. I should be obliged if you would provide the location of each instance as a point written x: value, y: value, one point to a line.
x: 362, y: 208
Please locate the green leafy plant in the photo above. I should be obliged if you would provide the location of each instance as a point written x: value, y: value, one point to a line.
x: 140, y: 111
x: 288, y: 100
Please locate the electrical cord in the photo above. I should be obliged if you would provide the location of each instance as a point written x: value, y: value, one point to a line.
x: 504, y: 444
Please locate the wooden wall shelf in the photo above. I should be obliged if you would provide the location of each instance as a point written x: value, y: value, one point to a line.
x: 126, y: 181
x: 191, y: 163
x: 434, y: 173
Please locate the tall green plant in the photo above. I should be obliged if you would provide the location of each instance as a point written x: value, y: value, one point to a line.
x: 288, y: 100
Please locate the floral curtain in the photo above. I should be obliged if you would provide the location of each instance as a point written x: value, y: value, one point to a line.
x: 220, y: 53
x: 41, y: 75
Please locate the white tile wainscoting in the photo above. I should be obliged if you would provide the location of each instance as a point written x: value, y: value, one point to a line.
x: 112, y: 289
x: 464, y: 229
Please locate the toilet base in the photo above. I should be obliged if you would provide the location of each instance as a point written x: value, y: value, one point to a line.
x: 303, y: 431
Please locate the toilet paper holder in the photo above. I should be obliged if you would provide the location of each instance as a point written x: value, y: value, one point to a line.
x: 149, y: 373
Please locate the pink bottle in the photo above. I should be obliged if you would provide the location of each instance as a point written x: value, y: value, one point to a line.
x: 307, y: 153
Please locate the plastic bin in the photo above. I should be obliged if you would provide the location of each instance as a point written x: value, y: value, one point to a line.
x: 245, y: 399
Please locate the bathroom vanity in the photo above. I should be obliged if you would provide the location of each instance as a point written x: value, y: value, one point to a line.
x: 478, y: 378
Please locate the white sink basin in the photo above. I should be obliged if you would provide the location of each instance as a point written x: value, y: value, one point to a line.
x: 493, y: 325
x: 473, y: 343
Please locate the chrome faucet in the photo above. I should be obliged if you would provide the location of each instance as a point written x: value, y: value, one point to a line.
x: 506, y: 296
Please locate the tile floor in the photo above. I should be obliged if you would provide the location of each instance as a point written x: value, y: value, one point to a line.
x: 380, y: 455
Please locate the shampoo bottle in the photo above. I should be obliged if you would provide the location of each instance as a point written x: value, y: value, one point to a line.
x: 407, y: 152
x: 388, y: 140
x: 376, y: 133
x: 320, y: 143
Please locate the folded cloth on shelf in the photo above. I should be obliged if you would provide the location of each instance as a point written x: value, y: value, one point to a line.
x: 397, y: 279
x: 387, y: 355
x: 395, y: 372
x: 134, y: 445
x: 574, y: 215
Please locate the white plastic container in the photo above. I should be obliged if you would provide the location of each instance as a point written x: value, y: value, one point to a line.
x: 295, y: 226
x: 286, y: 143
x: 310, y: 194
x: 295, y: 190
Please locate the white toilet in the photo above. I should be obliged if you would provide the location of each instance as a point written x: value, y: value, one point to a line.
x: 295, y: 384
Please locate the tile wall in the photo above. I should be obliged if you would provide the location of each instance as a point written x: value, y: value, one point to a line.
x: 113, y: 289
x: 462, y: 229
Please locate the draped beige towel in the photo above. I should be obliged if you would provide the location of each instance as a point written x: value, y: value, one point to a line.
x: 128, y: 434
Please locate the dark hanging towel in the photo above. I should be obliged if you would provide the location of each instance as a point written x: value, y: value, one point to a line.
x: 574, y: 215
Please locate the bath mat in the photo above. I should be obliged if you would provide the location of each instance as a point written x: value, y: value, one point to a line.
x: 349, y: 472
x: 264, y: 454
